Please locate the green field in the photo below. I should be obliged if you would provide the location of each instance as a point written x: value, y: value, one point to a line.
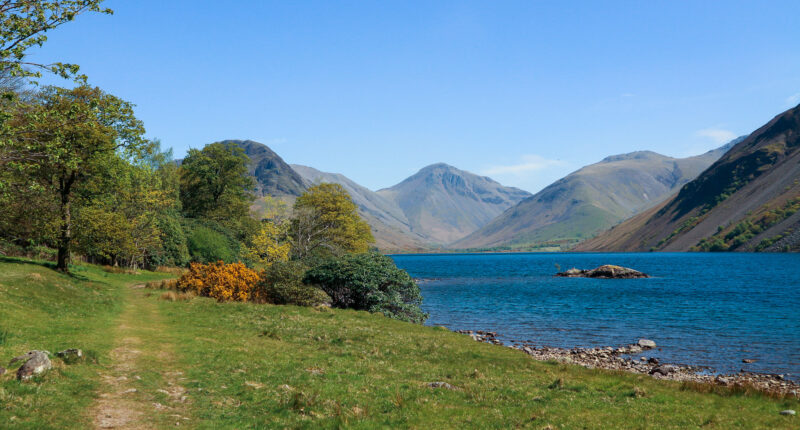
x: 203, y: 364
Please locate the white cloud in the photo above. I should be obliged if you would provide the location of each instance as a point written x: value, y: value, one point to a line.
x: 793, y: 100
x: 717, y: 135
x: 529, y: 163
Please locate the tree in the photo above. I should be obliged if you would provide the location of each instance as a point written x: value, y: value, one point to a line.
x: 269, y: 245
x: 215, y: 184
x: 24, y: 24
x: 64, y: 136
x: 325, y: 219
x: 370, y: 282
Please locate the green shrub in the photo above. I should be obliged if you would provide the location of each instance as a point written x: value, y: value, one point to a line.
x: 208, y: 245
x: 282, y: 284
x: 369, y: 282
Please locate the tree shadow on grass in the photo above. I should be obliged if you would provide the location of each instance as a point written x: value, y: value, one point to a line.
x: 46, y: 264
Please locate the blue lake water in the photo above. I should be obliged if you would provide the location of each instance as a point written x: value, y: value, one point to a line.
x: 708, y: 309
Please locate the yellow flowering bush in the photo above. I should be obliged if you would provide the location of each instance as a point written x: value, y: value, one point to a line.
x: 224, y: 282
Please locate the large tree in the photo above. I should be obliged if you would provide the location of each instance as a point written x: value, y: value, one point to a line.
x: 215, y: 184
x: 325, y: 220
x: 64, y: 136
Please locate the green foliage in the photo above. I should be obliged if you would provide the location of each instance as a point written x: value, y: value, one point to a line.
x: 214, y: 183
x: 749, y: 228
x: 369, y: 282
x: 175, y: 251
x: 282, y: 284
x: 325, y: 221
x: 207, y: 242
x: 24, y: 24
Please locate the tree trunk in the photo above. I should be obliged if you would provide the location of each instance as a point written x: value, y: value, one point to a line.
x: 66, y: 224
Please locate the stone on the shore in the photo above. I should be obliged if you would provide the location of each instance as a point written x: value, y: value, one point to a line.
x: 606, y: 271
x: 662, y: 370
x: 70, y: 356
x: 646, y: 343
x: 35, y: 363
x: 788, y: 412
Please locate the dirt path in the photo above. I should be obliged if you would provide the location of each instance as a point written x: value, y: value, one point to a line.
x: 141, y: 388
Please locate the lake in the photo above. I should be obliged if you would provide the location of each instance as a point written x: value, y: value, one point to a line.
x: 708, y: 309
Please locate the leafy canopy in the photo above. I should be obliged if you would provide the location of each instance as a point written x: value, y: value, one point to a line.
x: 326, y: 220
x: 24, y: 24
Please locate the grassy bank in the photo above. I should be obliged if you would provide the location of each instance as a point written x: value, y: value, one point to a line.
x: 233, y: 365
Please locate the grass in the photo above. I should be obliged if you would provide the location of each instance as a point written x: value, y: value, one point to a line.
x: 261, y: 366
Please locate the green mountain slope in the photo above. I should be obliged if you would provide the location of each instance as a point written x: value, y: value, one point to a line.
x: 748, y: 200
x: 388, y: 222
x: 443, y: 204
x: 590, y: 200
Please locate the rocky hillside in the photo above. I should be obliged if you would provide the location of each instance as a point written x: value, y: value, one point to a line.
x: 444, y: 204
x: 746, y: 201
x: 590, y: 200
x: 388, y: 222
x: 272, y: 175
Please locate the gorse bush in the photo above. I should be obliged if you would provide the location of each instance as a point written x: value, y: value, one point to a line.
x: 369, y: 282
x: 282, y: 284
x: 224, y: 282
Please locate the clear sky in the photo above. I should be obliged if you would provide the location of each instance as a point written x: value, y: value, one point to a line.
x: 524, y: 92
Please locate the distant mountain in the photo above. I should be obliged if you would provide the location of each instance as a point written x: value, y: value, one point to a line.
x: 272, y: 175
x: 749, y: 200
x: 443, y: 204
x: 388, y: 222
x: 590, y: 200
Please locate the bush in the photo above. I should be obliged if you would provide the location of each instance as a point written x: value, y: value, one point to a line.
x: 207, y: 245
x: 221, y: 281
x: 282, y: 284
x: 369, y: 282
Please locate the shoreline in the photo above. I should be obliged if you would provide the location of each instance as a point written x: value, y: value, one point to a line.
x: 611, y: 358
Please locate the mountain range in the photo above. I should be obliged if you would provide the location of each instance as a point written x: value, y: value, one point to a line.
x: 749, y: 200
x: 590, y: 200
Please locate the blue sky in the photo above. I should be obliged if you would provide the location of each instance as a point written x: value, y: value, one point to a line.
x: 524, y: 92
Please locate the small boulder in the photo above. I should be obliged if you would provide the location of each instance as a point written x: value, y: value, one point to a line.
x: 572, y: 273
x: 662, y: 370
x: 748, y: 361
x: 646, y: 343
x: 71, y: 355
x: 2, y: 371
x: 440, y: 384
x: 788, y: 412
x: 35, y: 363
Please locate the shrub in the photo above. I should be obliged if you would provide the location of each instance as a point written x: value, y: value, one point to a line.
x: 369, y: 282
x: 282, y: 284
x: 208, y: 242
x: 218, y: 280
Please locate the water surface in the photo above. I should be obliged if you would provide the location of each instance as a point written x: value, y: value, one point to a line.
x: 708, y: 309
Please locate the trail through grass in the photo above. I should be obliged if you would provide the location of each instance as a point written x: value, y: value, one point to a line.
x: 201, y: 364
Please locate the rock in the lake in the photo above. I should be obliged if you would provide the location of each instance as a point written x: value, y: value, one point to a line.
x: 748, y: 361
x: 607, y: 271
x: 788, y: 412
x: 35, y: 363
x: 70, y: 356
x: 646, y: 343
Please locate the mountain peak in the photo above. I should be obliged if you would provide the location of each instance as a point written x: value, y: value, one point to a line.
x: 636, y: 155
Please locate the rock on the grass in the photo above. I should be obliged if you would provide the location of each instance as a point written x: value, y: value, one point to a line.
x: 70, y: 355
x: 2, y: 371
x: 646, y: 343
x: 440, y: 384
x: 788, y: 412
x: 35, y: 363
